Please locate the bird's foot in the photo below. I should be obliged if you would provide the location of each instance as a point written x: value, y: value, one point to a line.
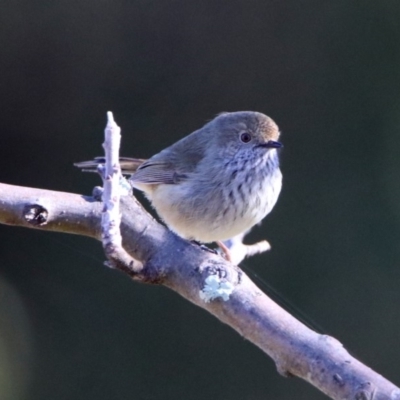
x: 204, y: 247
x: 224, y: 250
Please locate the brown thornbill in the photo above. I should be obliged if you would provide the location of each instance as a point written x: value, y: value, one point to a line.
x: 215, y: 183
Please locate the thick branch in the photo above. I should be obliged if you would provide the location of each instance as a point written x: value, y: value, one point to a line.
x: 185, y: 268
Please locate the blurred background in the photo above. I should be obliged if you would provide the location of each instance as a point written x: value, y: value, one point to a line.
x: 327, y: 72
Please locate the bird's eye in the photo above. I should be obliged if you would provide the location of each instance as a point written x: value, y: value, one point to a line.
x: 245, y: 137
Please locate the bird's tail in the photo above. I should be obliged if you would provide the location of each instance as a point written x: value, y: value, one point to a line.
x: 128, y: 165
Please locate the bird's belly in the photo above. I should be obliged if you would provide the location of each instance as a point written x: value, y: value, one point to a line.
x: 204, y: 219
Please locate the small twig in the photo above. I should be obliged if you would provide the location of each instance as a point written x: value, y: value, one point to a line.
x: 111, y: 217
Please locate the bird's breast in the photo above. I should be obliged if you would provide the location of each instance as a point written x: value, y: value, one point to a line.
x: 220, y: 205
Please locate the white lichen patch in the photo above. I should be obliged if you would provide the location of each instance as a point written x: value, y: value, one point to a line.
x: 125, y: 187
x: 215, y: 288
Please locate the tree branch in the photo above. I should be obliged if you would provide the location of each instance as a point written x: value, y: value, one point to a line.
x: 208, y: 281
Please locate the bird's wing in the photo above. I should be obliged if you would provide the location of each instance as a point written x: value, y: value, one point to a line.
x: 130, y: 165
x: 175, y: 163
x: 151, y: 171
x: 171, y: 166
x: 156, y: 172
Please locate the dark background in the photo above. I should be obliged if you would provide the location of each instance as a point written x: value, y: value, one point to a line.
x: 327, y: 71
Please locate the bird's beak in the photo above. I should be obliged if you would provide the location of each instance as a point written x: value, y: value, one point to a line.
x: 271, y: 144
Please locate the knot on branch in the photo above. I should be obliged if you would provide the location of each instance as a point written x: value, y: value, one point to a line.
x: 366, y: 392
x: 283, y: 369
x: 338, y: 380
x: 35, y: 214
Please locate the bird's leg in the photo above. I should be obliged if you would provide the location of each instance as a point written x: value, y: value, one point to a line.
x: 225, y: 251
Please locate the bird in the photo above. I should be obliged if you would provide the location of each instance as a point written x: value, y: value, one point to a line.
x: 214, y: 183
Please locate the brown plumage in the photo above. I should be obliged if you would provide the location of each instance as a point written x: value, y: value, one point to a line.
x: 216, y: 182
